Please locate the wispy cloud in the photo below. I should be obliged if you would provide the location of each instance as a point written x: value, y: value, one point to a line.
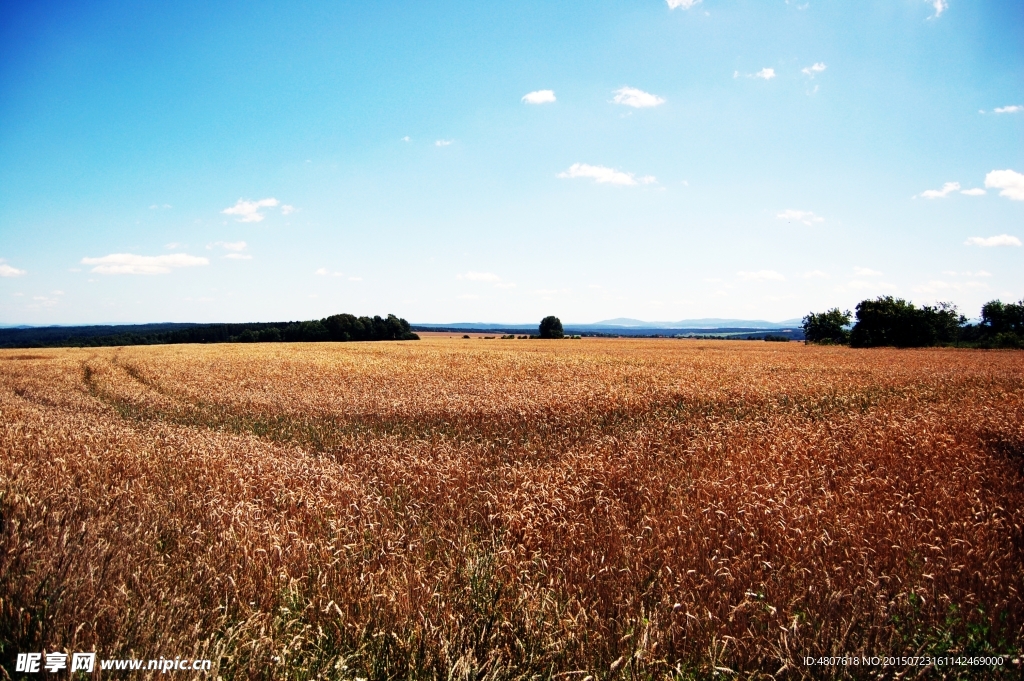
x: 287, y: 210
x: 230, y: 245
x: 947, y: 189
x: 479, y: 276
x: 1010, y: 183
x: 682, y: 4
x: 814, y: 69
x: 765, y: 73
x: 324, y: 272
x: 250, y: 211
x: 938, y: 286
x: 235, y: 247
x: 128, y: 263
x: 804, y: 216
x: 605, y: 175
x: 866, y: 272
x: 443, y: 143
x: 539, y: 97
x: 8, y: 271
x: 638, y: 99
x: 988, y: 242
x: 858, y: 285
x: 44, y: 301
x: 976, y: 191
x: 939, y: 6
x: 761, y: 275
x: 1015, y: 108
x: 979, y: 273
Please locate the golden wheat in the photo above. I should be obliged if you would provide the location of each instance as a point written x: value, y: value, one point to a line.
x: 510, y: 509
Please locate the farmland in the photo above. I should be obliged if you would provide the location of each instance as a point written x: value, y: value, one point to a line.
x: 503, y: 509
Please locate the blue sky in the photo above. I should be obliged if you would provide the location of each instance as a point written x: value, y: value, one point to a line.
x: 467, y: 161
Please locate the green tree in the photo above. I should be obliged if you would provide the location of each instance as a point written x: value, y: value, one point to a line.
x: 894, y: 321
x: 551, y: 327
x: 827, y: 327
x: 1002, y: 324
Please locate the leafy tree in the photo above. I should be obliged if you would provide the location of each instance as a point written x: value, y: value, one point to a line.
x: 1002, y: 325
x: 827, y: 327
x: 551, y: 327
x: 999, y: 317
x: 894, y: 321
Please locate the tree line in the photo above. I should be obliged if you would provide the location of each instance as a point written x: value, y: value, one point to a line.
x: 889, y: 321
x: 337, y: 328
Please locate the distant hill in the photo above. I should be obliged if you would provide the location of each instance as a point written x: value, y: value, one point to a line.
x: 717, y: 328
x: 704, y: 323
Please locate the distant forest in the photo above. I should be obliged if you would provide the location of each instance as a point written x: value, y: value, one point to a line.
x: 336, y: 328
x: 889, y: 321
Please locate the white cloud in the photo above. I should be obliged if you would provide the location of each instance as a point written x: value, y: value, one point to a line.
x: 480, y: 276
x: 813, y: 69
x: 685, y: 4
x: 230, y: 245
x: 605, y: 175
x: 866, y: 272
x: 977, y: 191
x: 443, y: 143
x: 407, y: 139
x: 324, y: 272
x: 947, y: 189
x: 638, y: 99
x: 938, y: 286
x: 127, y: 263
x: 939, y: 6
x: 988, y: 242
x: 539, y: 97
x: 870, y: 285
x: 1011, y: 183
x: 549, y: 293
x: 761, y: 275
x: 804, y: 216
x: 1008, y: 109
x: 249, y: 211
x: 8, y: 271
x: 174, y: 244
x: 287, y: 210
x: 157, y: 206
x: 765, y: 73
x: 238, y: 256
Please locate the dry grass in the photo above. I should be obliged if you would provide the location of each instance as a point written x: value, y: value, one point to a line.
x: 508, y: 509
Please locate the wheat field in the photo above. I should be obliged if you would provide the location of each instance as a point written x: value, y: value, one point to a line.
x: 491, y: 509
